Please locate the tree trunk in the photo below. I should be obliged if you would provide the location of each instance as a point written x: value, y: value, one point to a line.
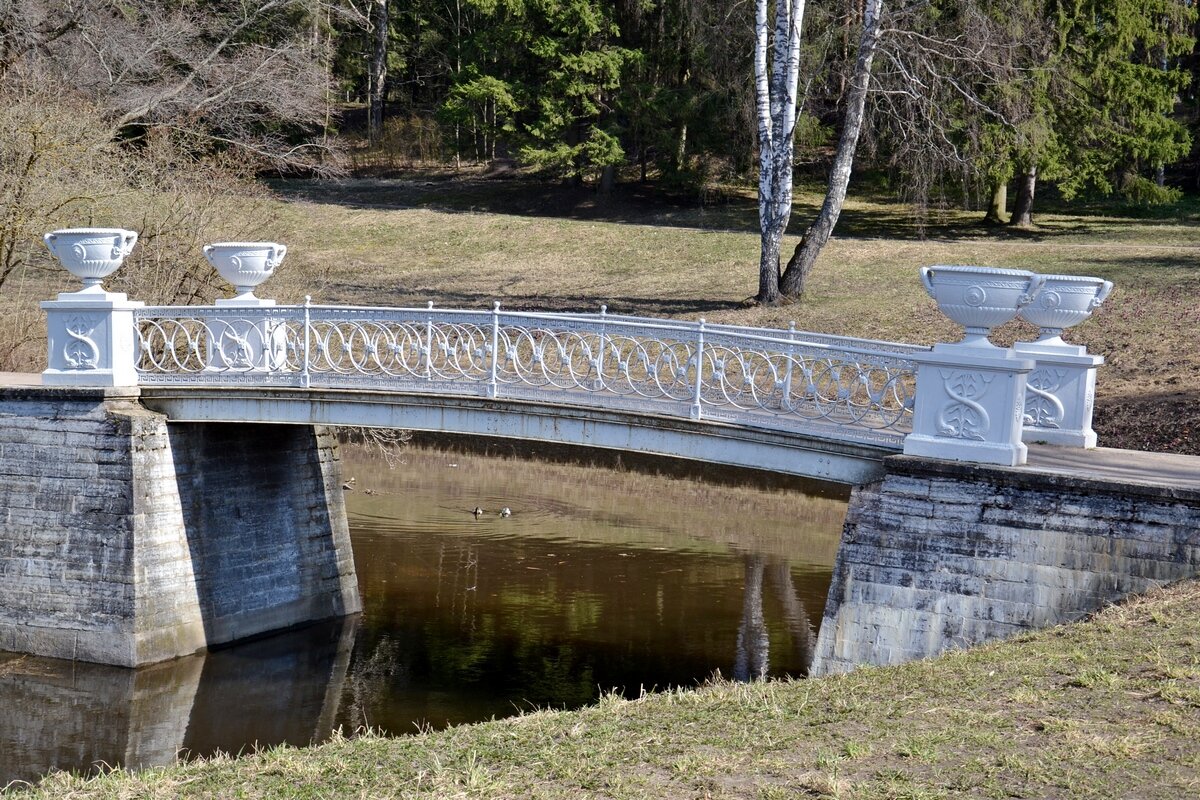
x: 379, y: 9
x: 776, y: 110
x: 608, y: 179
x: 681, y: 148
x: 768, y: 267
x: 1022, y: 216
x: 805, y: 256
x: 999, y: 204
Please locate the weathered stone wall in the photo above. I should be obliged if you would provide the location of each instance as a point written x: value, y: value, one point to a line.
x: 265, y: 516
x: 124, y: 540
x: 939, y: 555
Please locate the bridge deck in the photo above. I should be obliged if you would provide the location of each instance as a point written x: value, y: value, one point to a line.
x: 1133, y: 467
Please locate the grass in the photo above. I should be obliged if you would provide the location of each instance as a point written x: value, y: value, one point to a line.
x: 1107, y: 708
x: 466, y: 242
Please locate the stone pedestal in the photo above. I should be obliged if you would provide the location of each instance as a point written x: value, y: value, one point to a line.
x: 1060, y: 393
x: 91, y: 339
x: 970, y: 405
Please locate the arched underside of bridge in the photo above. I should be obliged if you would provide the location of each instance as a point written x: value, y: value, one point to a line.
x: 789, y: 453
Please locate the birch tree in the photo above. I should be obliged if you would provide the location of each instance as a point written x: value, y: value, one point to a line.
x: 776, y: 77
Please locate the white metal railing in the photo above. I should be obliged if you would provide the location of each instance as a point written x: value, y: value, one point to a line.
x: 857, y: 390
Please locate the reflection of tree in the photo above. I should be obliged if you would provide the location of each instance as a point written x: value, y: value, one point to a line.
x: 372, y: 679
x: 753, y: 641
x: 753, y: 644
x: 464, y: 582
x: 794, y: 614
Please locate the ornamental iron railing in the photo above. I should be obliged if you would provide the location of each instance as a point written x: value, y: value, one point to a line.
x: 840, y: 388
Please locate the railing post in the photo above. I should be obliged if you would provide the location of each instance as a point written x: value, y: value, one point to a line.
x: 305, y: 375
x: 696, y: 412
x: 429, y: 343
x: 599, y: 384
x: 785, y: 399
x: 493, y: 386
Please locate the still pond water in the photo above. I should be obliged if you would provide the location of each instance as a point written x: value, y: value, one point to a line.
x: 600, y: 580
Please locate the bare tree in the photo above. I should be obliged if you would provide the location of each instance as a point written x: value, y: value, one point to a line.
x: 817, y: 236
x: 237, y: 75
x: 378, y: 73
x: 776, y: 77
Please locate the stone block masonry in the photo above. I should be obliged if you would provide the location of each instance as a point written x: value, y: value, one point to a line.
x: 941, y: 555
x: 127, y: 540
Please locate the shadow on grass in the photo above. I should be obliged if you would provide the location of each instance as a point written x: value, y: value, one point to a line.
x: 639, y: 306
x: 733, y: 211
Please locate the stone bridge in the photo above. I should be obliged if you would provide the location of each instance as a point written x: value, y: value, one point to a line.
x: 169, y: 483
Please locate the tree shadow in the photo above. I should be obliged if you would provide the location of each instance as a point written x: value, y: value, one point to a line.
x: 619, y: 304
x: 870, y: 214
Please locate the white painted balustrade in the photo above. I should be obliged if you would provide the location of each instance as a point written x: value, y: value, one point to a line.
x: 967, y: 401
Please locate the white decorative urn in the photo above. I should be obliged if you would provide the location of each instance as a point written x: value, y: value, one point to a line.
x: 980, y: 298
x: 91, y: 254
x: 245, y: 264
x: 1064, y: 301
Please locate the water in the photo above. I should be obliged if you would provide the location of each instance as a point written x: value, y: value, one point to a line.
x: 601, y: 580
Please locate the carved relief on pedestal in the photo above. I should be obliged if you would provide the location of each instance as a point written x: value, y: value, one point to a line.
x: 1043, y: 408
x: 80, y: 351
x: 964, y: 417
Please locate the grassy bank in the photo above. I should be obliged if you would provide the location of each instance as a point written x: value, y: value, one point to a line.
x: 1108, y: 708
x: 466, y: 242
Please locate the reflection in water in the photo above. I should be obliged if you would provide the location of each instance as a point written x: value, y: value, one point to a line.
x: 753, y: 642
x: 78, y: 716
x: 599, y: 580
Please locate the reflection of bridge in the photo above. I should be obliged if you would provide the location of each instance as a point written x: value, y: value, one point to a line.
x: 820, y: 406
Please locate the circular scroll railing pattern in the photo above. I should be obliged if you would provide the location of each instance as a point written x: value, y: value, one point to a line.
x: 780, y: 379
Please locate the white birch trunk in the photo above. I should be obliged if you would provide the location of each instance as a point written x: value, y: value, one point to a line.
x: 776, y: 77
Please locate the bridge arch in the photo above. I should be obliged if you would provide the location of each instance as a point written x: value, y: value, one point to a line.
x: 789, y: 452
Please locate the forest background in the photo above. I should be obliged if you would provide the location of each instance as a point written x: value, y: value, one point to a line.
x: 182, y: 119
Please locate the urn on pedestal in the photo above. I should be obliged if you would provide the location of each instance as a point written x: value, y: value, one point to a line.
x: 91, y: 254
x: 970, y: 395
x: 242, y: 339
x: 1060, y: 392
x: 90, y: 337
x: 245, y: 265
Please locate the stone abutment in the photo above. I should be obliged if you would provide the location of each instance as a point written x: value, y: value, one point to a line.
x: 939, y: 555
x: 127, y: 540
